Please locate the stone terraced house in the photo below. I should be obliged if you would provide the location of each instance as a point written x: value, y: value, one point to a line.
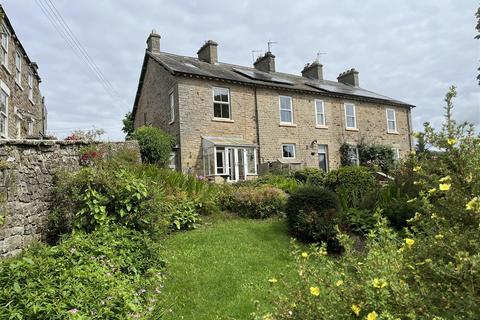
x: 231, y: 122
x: 22, y: 110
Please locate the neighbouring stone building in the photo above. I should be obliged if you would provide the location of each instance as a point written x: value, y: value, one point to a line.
x: 229, y: 121
x: 22, y: 110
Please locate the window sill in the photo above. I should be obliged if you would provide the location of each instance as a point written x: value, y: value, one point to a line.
x: 283, y: 124
x: 293, y: 158
x: 223, y: 120
x: 31, y: 101
x: 18, y: 85
x: 351, y: 129
x: 393, y: 132
x: 171, y: 122
x: 321, y: 127
x: 6, y: 68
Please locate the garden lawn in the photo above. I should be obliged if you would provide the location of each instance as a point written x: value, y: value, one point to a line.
x: 221, y: 270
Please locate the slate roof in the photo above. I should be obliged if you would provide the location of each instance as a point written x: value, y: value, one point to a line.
x: 192, y: 67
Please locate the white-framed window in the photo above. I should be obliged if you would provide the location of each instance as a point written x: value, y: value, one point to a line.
x: 221, y: 103
x: 396, y: 154
x: 171, y: 98
x: 251, y: 161
x: 353, y: 156
x: 323, y: 157
x: 288, y: 150
x: 30, y: 86
x: 4, y: 97
x: 220, y: 160
x: 30, y: 126
x: 350, y: 116
x: 286, y: 110
x: 18, y: 67
x: 173, y: 160
x: 18, y: 126
x: 391, y: 121
x: 5, y: 36
x: 320, y: 113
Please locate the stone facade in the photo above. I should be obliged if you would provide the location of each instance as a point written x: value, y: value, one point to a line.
x: 26, y: 113
x: 255, y: 111
x: 27, y: 169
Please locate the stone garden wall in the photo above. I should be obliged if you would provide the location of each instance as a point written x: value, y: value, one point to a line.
x: 27, y: 169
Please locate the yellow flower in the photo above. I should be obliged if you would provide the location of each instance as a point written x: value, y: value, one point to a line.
x: 444, y: 186
x: 451, y: 141
x: 416, y: 168
x: 372, y: 316
x: 339, y: 283
x: 322, y: 251
x: 439, y: 236
x: 304, y: 255
x: 315, y: 291
x: 445, y: 179
x: 432, y: 191
x: 356, y: 309
x: 409, y: 242
x: 473, y: 205
x: 379, y: 283
x: 273, y: 280
x: 469, y: 178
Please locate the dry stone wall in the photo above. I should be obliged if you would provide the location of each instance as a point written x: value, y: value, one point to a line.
x: 27, y: 169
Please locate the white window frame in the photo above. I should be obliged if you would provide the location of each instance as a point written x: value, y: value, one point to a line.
x: 347, y: 116
x: 18, y: 68
x: 222, y: 103
x: 289, y: 110
x: 4, y: 49
x: 30, y: 87
x: 30, y: 126
x: 394, y: 120
x: 171, y: 101
x: 317, y: 113
x: 396, y: 152
x: 294, y: 150
x: 327, y: 168
x: 6, y: 90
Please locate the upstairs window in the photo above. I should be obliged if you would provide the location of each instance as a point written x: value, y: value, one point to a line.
x: 18, y: 68
x: 320, y: 113
x: 30, y: 87
x: 391, y: 121
x: 221, y: 103
x: 172, y: 107
x: 4, y: 46
x: 288, y: 151
x: 286, y: 113
x: 3, y: 113
x: 350, y: 116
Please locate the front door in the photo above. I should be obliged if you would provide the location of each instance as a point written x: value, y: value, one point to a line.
x: 236, y: 164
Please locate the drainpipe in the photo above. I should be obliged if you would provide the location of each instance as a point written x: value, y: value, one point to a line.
x: 409, y: 120
x: 258, y: 128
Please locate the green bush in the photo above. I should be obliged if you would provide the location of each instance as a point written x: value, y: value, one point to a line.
x: 375, y: 156
x: 312, y: 214
x: 183, y: 215
x: 313, y: 176
x: 155, y: 145
x: 400, y: 210
x: 107, y: 274
x: 98, y: 196
x: 280, y: 181
x: 258, y: 202
x: 360, y: 221
x: 353, y: 183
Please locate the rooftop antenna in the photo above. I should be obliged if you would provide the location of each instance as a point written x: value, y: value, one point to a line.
x: 318, y: 56
x: 253, y: 54
x: 269, y: 44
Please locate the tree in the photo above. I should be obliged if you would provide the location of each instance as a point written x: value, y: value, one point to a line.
x: 128, y: 124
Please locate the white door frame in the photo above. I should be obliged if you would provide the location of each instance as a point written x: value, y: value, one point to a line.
x: 236, y: 166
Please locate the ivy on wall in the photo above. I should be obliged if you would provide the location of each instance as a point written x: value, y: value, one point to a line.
x: 380, y: 157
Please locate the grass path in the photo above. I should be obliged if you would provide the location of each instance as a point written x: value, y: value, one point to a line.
x: 218, y: 271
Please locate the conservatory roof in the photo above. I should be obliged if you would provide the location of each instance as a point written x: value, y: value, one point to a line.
x: 232, y: 141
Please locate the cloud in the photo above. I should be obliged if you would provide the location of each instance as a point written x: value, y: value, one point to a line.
x: 412, y: 51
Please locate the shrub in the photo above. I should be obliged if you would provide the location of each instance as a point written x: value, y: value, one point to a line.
x: 313, y: 176
x: 360, y: 221
x: 312, y: 214
x: 280, y: 181
x: 259, y: 202
x: 354, y: 183
x: 376, y: 156
x: 182, y: 215
x: 155, y: 145
x: 107, y: 274
x: 400, y: 210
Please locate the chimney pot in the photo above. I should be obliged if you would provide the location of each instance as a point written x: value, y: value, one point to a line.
x: 313, y: 71
x: 265, y: 63
x: 349, y: 77
x: 208, y: 52
x: 153, y: 42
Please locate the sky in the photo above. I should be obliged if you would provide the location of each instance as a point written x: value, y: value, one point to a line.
x: 406, y: 49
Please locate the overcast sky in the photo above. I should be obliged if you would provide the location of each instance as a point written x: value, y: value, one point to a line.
x: 409, y: 50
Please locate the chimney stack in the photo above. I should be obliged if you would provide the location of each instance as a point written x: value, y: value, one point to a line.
x: 208, y: 52
x: 153, y: 42
x: 313, y: 71
x: 265, y: 63
x: 349, y: 77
